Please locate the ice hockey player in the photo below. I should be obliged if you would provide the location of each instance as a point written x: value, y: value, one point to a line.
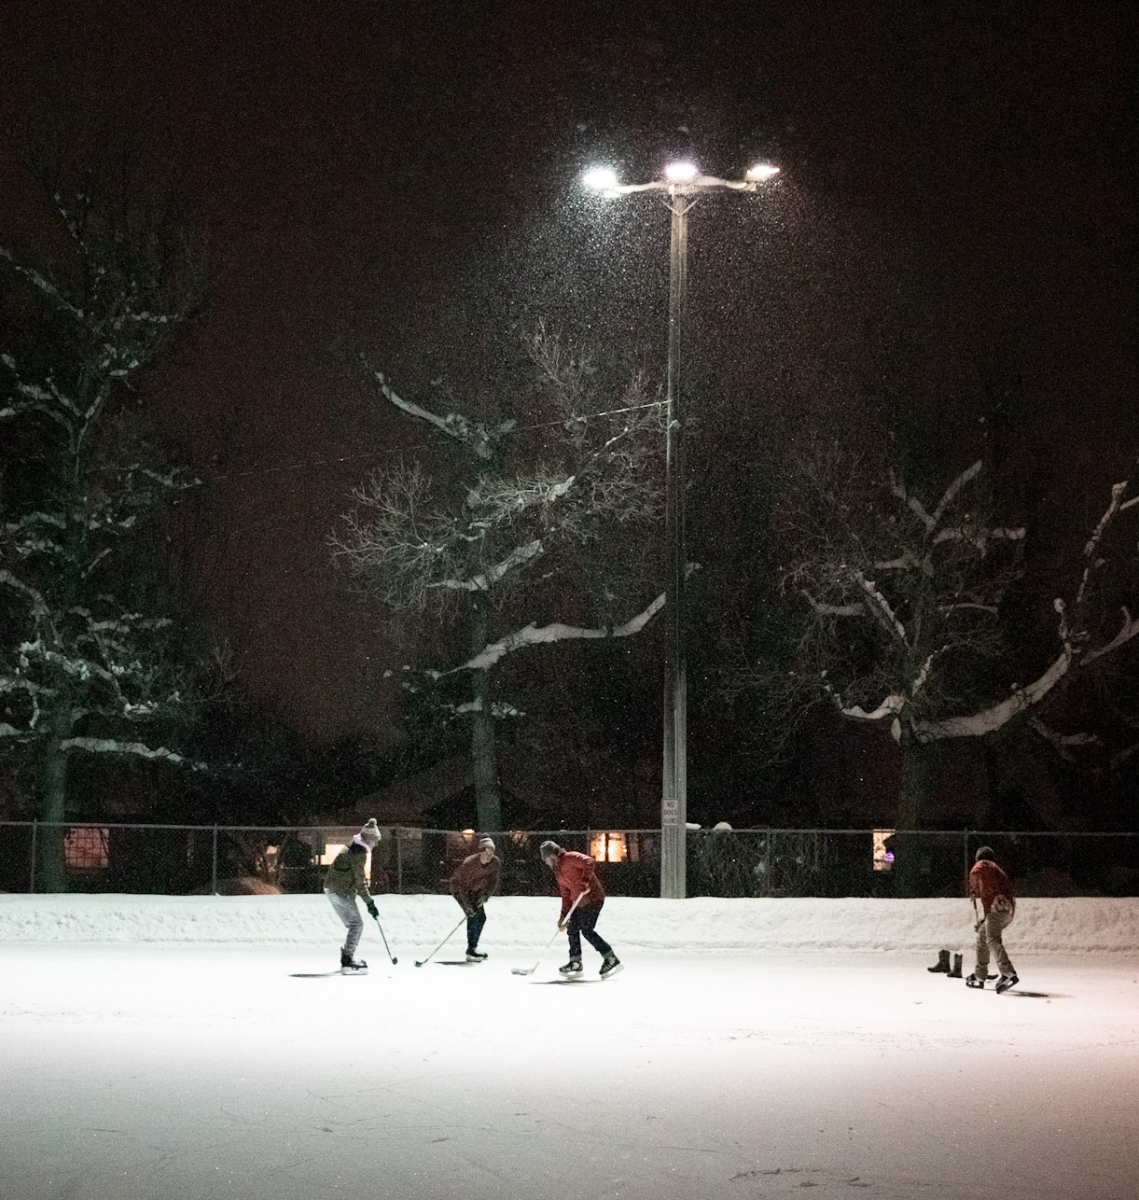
x: 475, y: 880
x: 343, y: 882
x: 989, y: 884
x: 576, y: 877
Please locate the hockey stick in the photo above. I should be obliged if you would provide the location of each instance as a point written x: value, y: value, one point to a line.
x: 531, y: 970
x: 384, y: 936
x: 442, y: 943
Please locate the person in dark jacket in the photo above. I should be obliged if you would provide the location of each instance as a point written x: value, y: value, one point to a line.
x: 345, y: 881
x: 989, y: 884
x: 576, y: 877
x: 475, y: 880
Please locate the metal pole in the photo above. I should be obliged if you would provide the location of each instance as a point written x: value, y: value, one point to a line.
x: 674, y: 786
x: 214, y: 865
x: 35, y: 830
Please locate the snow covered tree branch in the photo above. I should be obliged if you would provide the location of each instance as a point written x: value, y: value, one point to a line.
x: 527, y: 515
x: 84, y: 660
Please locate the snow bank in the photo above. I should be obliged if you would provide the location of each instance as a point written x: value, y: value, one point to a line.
x: 416, y: 924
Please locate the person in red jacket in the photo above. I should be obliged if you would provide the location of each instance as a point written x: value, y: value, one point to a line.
x: 475, y: 880
x: 989, y: 884
x: 576, y: 877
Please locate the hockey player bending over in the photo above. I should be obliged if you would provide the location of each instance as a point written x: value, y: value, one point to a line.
x: 575, y: 875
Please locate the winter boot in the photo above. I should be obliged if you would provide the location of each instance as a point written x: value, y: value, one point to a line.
x: 572, y: 968
x: 942, y: 967
x: 975, y: 981
x: 1007, y: 981
x: 956, y: 972
x: 610, y: 965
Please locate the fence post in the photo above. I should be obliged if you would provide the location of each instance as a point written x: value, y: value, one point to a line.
x: 32, y: 884
x: 214, y: 864
x: 398, y: 862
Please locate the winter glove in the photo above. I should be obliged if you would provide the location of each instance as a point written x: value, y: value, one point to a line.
x: 468, y: 911
x: 373, y: 911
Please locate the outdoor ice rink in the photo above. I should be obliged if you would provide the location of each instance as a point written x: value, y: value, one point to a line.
x: 758, y: 1056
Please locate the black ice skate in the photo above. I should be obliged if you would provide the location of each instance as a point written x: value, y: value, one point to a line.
x: 975, y: 981
x: 476, y: 956
x: 610, y: 965
x: 1007, y: 981
x: 572, y: 968
x: 352, y: 966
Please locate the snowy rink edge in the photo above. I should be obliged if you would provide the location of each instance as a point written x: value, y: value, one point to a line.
x: 525, y: 923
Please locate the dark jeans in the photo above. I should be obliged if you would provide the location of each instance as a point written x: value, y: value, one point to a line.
x: 475, y: 922
x: 580, y: 926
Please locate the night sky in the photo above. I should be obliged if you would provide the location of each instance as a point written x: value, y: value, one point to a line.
x: 403, y: 177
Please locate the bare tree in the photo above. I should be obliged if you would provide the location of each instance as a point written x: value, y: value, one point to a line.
x: 528, y: 517
x: 82, y: 666
x: 905, y: 603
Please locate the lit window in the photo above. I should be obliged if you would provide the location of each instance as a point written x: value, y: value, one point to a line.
x: 883, y: 858
x: 609, y: 847
x: 86, y: 849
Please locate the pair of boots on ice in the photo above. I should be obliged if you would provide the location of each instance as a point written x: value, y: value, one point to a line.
x: 942, y: 967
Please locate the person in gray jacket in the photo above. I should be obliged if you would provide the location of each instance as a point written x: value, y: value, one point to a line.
x: 342, y: 884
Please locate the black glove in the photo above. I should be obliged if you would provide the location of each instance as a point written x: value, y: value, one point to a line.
x: 373, y: 911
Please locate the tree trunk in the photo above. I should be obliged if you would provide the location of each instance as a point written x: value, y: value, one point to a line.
x: 50, y: 873
x: 911, y: 866
x: 488, y: 803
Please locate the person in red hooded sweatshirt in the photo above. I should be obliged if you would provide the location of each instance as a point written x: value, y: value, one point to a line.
x: 989, y: 884
x: 576, y: 877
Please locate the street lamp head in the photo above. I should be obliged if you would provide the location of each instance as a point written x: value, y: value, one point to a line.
x: 681, y: 172
x: 600, y: 178
x: 760, y: 172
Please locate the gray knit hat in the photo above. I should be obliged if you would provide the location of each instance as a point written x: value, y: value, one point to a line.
x: 370, y: 834
x: 486, y: 842
x: 548, y: 848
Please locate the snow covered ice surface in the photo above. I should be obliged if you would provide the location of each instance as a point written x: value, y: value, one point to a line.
x: 159, y: 1048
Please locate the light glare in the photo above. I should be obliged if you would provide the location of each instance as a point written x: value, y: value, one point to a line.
x: 600, y: 178
x: 680, y: 172
x: 760, y: 172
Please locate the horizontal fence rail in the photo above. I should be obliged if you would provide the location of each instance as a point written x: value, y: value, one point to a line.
x: 260, y: 859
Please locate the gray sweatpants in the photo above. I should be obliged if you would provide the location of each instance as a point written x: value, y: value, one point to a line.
x: 989, y: 941
x: 347, y: 911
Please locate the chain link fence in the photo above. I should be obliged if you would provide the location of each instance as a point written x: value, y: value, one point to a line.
x: 216, y: 859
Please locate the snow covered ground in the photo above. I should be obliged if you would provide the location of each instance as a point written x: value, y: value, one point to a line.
x: 157, y: 1048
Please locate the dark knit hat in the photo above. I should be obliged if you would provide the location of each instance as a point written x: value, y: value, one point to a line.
x: 548, y: 848
x: 984, y: 852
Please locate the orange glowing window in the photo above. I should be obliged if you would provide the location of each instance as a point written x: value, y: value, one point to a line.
x: 609, y: 847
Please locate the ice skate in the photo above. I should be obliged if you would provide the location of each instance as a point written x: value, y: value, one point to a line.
x: 475, y: 956
x: 352, y: 966
x: 1007, y: 981
x: 571, y: 969
x: 975, y: 981
x: 610, y: 965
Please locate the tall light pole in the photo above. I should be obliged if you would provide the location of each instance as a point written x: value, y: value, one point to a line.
x: 680, y: 189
